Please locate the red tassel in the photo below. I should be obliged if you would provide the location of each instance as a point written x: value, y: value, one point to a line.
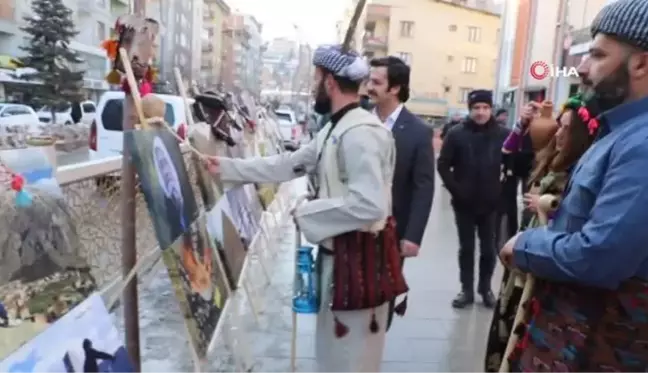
x: 373, y: 326
x: 340, y: 329
x: 401, y: 307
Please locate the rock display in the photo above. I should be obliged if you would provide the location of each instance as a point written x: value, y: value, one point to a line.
x: 42, y: 271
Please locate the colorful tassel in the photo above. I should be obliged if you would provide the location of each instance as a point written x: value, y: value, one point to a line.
x: 401, y: 308
x: 373, y: 326
x: 340, y: 329
x: 113, y: 77
x: 111, y: 46
x: 23, y: 198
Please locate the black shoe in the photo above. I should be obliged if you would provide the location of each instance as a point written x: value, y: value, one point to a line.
x: 463, y: 300
x: 489, y: 299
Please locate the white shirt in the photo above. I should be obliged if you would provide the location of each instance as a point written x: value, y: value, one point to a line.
x: 392, y: 118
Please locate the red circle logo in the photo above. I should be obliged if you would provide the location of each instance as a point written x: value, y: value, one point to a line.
x: 539, y: 70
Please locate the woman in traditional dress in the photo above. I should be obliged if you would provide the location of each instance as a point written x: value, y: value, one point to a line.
x: 568, y: 138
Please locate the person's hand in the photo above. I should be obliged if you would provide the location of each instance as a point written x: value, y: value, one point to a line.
x: 506, y: 254
x: 409, y: 249
x: 528, y: 112
x: 213, y: 164
x: 531, y: 201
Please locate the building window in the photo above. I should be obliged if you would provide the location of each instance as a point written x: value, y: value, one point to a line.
x: 469, y: 65
x: 452, y: 28
x: 407, y: 29
x: 101, y: 31
x: 406, y: 57
x: 474, y: 34
x: 463, y: 95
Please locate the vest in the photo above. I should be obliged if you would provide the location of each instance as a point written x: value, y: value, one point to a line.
x: 333, y: 179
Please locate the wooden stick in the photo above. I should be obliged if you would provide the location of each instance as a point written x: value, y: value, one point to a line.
x: 134, y: 88
x: 519, y: 318
x: 248, y: 294
x: 293, y: 343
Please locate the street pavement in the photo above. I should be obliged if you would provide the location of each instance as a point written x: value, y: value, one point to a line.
x: 431, y: 337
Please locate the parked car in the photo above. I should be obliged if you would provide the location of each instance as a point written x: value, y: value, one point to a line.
x: 64, y: 113
x: 288, y: 127
x: 106, y: 131
x: 18, y: 115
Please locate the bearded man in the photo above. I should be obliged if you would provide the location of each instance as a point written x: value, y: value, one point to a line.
x: 353, y: 157
x: 588, y: 310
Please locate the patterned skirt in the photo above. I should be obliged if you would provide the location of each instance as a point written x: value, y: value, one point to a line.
x: 576, y: 328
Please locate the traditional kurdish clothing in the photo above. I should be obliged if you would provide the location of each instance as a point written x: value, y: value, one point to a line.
x: 550, y: 186
x: 588, y: 310
x: 353, y: 157
x: 549, y: 189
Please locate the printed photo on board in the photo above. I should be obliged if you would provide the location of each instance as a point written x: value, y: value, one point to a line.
x: 43, y: 273
x: 240, y: 211
x: 227, y: 240
x: 164, y: 182
x: 199, y: 285
x: 84, y: 340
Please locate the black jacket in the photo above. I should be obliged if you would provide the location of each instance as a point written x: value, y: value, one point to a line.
x: 447, y: 127
x: 470, y: 165
x: 413, y: 184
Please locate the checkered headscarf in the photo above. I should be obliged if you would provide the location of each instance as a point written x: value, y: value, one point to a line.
x: 343, y: 64
x: 626, y: 20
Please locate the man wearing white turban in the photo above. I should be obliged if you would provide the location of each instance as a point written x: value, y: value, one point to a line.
x: 353, y: 159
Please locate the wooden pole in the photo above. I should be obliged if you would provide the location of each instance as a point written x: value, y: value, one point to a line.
x: 128, y: 215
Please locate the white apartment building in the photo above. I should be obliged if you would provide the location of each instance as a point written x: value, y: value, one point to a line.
x: 93, y: 19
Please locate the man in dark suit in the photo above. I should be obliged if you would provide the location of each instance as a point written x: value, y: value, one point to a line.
x: 413, y: 185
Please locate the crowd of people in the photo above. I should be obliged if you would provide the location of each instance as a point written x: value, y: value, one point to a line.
x: 573, y: 296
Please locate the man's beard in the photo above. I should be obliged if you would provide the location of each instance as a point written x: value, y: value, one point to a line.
x: 611, y: 91
x: 322, y: 101
x: 366, y: 103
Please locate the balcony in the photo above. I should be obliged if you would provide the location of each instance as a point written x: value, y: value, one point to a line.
x: 207, y: 48
x: 8, y: 22
x: 377, y: 12
x: 374, y: 43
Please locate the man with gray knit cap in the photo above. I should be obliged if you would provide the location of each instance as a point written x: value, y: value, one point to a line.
x: 353, y: 159
x: 588, y: 307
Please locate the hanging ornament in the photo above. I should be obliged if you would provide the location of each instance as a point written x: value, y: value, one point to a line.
x: 23, y: 198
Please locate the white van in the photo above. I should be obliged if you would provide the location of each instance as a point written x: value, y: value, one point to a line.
x: 106, y: 132
x: 288, y: 126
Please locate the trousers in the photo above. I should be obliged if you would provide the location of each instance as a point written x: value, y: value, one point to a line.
x: 485, y: 224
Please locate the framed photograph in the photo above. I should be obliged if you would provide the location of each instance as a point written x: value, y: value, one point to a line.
x: 164, y: 181
x: 227, y: 240
x: 84, y: 340
x: 240, y: 209
x: 199, y: 285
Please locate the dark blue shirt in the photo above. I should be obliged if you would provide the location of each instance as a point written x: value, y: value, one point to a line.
x: 599, y: 235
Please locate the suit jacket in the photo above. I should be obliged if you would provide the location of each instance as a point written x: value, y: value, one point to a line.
x: 413, y: 185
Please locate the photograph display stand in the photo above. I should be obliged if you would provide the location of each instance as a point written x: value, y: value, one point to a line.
x: 230, y: 334
x: 263, y: 244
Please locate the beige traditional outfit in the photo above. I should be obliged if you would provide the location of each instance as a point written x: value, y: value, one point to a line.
x: 355, y: 170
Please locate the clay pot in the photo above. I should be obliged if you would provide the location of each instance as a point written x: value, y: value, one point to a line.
x: 543, y: 127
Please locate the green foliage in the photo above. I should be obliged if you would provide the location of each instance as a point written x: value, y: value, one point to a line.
x: 50, y: 30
